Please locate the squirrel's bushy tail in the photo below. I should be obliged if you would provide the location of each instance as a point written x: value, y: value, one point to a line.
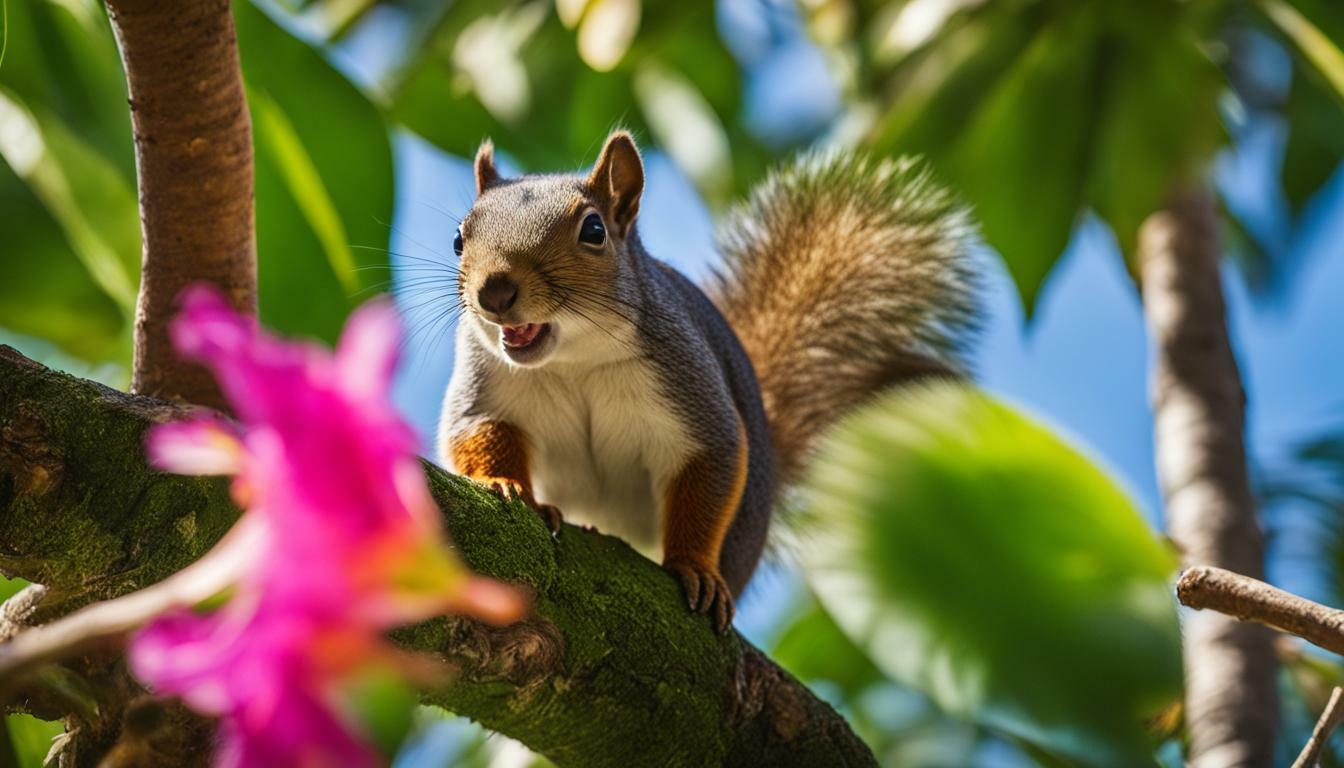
x: 845, y: 275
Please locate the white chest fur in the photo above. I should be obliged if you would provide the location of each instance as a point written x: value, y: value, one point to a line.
x: 602, y: 442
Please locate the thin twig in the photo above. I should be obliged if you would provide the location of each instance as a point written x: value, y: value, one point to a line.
x: 1330, y: 717
x: 1253, y: 600
x: 204, y: 579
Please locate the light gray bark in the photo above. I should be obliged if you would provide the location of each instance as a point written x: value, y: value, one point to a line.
x: 1198, y: 409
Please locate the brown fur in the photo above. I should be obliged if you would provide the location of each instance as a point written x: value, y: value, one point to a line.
x: 844, y: 276
x: 697, y: 515
x: 492, y: 453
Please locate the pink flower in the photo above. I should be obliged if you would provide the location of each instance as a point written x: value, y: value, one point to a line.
x: 345, y: 540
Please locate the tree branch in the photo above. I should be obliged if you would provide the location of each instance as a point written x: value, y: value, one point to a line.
x: 1198, y: 408
x: 611, y: 671
x: 193, y: 149
x: 1310, y: 756
x: 1253, y: 600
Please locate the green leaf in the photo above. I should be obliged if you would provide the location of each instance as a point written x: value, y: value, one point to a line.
x: 63, y: 60
x: 67, y: 203
x: 1313, y: 44
x: 1158, y: 123
x: 1036, y: 112
x: 1315, y: 144
x: 31, y: 739
x: 979, y: 559
x: 385, y: 706
x: 305, y: 184
x: 47, y: 292
x: 995, y: 126
x: 84, y: 193
x: 814, y: 649
x: 324, y: 181
x: 515, y: 73
x: 1023, y: 161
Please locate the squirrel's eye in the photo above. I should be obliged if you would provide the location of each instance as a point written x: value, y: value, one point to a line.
x: 592, y: 232
x: 457, y: 242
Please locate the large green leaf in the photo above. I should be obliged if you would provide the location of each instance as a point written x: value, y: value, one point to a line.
x: 1315, y: 145
x: 1158, y: 125
x: 324, y: 181
x: 980, y: 559
x: 1038, y: 111
x: 62, y: 59
x: 67, y: 204
x: 523, y: 74
x: 46, y: 291
x: 996, y: 127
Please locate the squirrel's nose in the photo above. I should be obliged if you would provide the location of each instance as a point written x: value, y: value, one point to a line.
x: 498, y: 294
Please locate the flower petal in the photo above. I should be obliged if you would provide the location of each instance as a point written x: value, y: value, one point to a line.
x: 208, y: 329
x: 367, y: 354
x: 206, y: 446
x: 491, y: 601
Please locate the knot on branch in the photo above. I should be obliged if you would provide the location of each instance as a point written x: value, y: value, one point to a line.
x: 25, y: 453
x: 17, y: 610
x: 763, y: 690
x: 525, y: 654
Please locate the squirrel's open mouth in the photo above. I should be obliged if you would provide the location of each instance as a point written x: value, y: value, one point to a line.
x: 521, y: 337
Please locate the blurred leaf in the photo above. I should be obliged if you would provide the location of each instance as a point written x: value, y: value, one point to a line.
x: 46, y: 291
x: 1245, y: 252
x: 86, y: 196
x: 324, y: 181
x: 813, y: 648
x: 385, y: 707
x: 67, y: 205
x: 31, y: 738
x: 1315, y: 145
x: 62, y: 60
x: 305, y: 184
x: 514, y: 72
x: 1158, y: 122
x: 1313, y: 44
x: 1066, y: 637
x: 982, y: 104
x: 1036, y: 112
x: 1022, y: 161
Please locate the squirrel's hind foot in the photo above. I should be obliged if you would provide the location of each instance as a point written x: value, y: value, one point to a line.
x: 706, y: 592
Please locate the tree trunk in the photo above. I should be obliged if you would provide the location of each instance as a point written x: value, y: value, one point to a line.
x: 611, y: 670
x: 193, y: 149
x: 1198, y: 408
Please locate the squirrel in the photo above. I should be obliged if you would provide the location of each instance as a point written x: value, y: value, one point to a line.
x: 592, y: 378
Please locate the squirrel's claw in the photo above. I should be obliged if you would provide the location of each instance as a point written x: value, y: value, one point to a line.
x: 506, y: 489
x: 550, y: 515
x: 706, y: 592
x: 514, y: 490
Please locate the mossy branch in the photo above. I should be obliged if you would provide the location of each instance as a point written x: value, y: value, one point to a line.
x: 611, y: 669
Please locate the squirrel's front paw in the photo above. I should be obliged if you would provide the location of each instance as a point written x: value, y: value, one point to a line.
x: 507, y: 488
x: 706, y: 591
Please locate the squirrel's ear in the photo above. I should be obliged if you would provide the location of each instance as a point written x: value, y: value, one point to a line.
x: 619, y: 177
x: 486, y: 175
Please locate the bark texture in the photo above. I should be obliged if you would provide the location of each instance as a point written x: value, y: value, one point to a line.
x: 1253, y: 600
x: 193, y: 149
x: 1198, y: 406
x: 611, y: 670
